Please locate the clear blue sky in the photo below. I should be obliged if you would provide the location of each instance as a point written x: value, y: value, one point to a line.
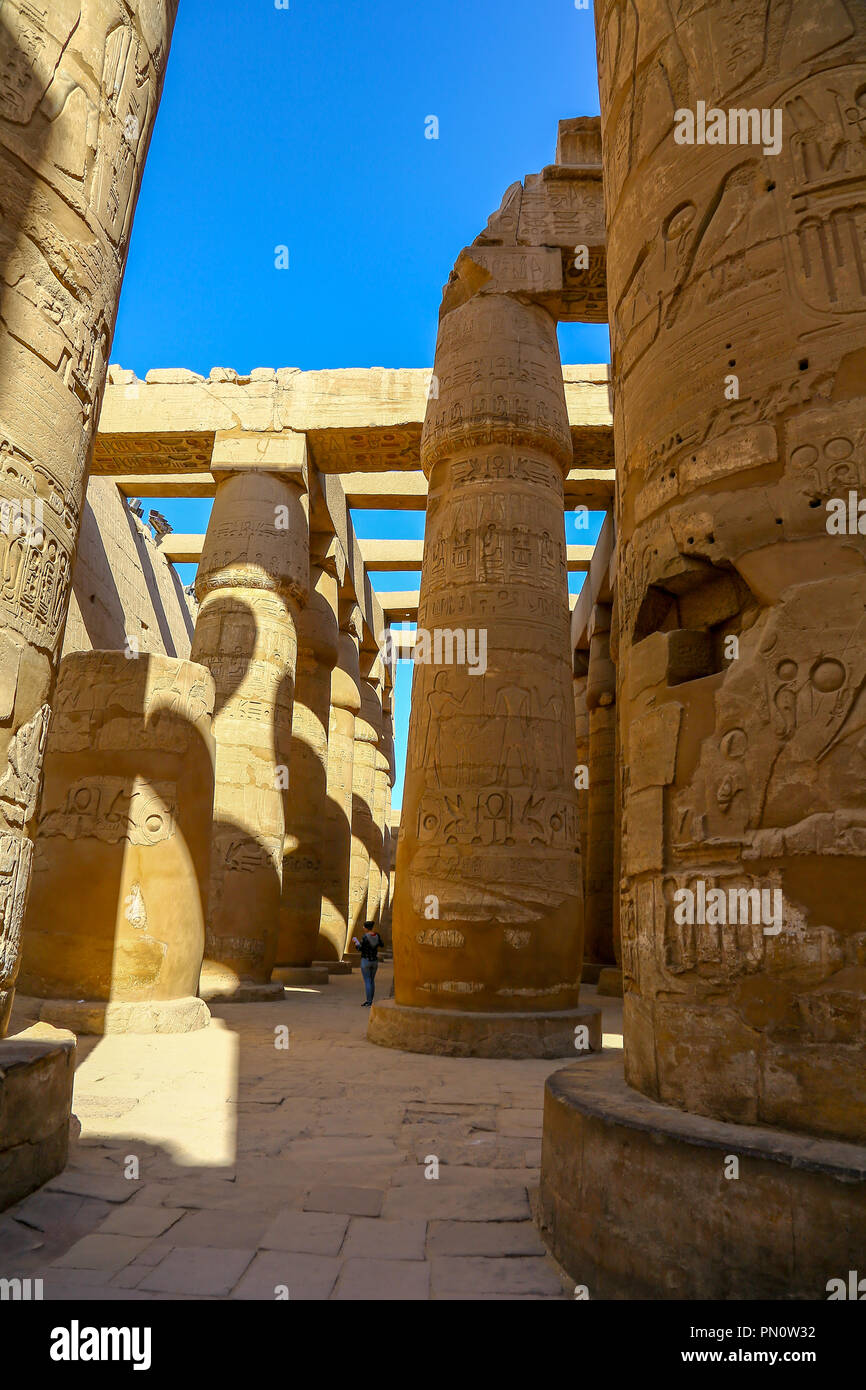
x: 304, y: 127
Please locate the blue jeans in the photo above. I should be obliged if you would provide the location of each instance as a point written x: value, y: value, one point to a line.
x: 368, y: 970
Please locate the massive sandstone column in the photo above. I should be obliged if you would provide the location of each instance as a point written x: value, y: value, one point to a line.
x: 581, y: 720
x: 601, y: 709
x: 336, y: 831
x: 381, y: 787
x: 114, y: 932
x: 368, y: 724
x: 251, y: 584
x: 80, y: 90
x: 488, y: 911
x: 738, y: 324
x: 302, y: 888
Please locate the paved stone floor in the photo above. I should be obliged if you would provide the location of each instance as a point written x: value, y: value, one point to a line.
x: 277, y: 1153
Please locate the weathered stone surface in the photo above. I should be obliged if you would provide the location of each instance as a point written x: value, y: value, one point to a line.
x: 487, y: 911
x: 337, y: 842
x: 251, y: 584
x: 79, y: 100
x: 366, y: 834
x: 125, y: 593
x: 114, y: 932
x: 306, y: 797
x: 793, y: 1219
x: 739, y: 397
x: 449, y: 1033
x: 36, y: 1073
x: 182, y: 1015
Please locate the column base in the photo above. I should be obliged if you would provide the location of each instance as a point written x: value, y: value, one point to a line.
x: 451, y: 1033
x: 37, y: 1067
x: 300, y: 974
x: 98, y: 1016
x: 636, y: 1201
x: 241, y: 992
x: 336, y: 967
x: 610, y: 982
x: 590, y: 972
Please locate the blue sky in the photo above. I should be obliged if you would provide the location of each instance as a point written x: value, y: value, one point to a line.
x: 304, y: 127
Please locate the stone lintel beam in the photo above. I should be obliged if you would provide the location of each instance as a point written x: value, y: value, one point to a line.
x: 401, y: 606
x: 356, y: 420
x: 598, y: 586
x: 408, y: 555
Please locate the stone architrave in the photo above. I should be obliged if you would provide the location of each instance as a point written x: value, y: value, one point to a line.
x: 598, y: 878
x: 251, y: 584
x: 368, y: 723
x: 115, y: 927
x: 81, y: 86
x: 738, y: 324
x: 336, y: 835
x: 307, y: 796
x: 488, y: 907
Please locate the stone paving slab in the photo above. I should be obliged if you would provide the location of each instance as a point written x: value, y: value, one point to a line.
x: 106, y: 1252
x: 429, y: 1200
x: 306, y: 1277
x: 495, y: 1238
x: 375, y: 1239
x: 385, y: 1281
x: 468, y: 1276
x: 306, y: 1232
x: 198, y: 1269
x: 354, y: 1201
x: 219, y: 1229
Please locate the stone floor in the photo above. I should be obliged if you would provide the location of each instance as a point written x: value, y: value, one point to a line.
x: 278, y: 1154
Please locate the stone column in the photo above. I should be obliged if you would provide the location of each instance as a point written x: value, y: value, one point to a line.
x: 364, y: 829
x: 252, y: 583
x: 336, y: 836
x: 307, y: 801
x: 80, y: 91
x: 488, y: 911
x: 115, y: 927
x: 387, y: 860
x: 735, y: 429
x: 601, y: 709
x: 381, y: 786
x: 738, y: 322
x: 581, y: 719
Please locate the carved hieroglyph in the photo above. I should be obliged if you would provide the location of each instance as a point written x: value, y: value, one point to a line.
x: 737, y: 297
x: 335, y: 844
x: 306, y: 802
x: 251, y: 584
x: 488, y: 913
x: 598, y: 869
x: 381, y: 774
x: 581, y: 720
x: 80, y: 87
x: 120, y: 872
x: 366, y: 834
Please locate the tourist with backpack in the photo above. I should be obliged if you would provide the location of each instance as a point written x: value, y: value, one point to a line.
x: 369, y: 948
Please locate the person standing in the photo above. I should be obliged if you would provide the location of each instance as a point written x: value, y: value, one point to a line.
x: 369, y: 948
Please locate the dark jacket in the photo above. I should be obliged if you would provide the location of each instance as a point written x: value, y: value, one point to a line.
x: 370, y: 946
